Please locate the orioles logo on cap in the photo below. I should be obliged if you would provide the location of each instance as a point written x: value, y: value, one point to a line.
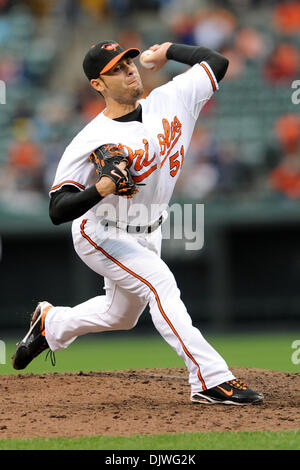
x: 111, y: 46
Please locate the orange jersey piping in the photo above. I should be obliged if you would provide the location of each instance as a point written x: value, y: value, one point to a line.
x: 210, y: 76
x: 67, y: 182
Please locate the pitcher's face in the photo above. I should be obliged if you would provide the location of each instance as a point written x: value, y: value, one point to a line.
x: 122, y: 83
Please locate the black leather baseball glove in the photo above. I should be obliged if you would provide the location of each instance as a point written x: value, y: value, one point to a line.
x: 106, y: 158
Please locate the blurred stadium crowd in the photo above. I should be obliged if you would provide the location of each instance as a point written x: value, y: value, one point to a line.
x: 247, y: 140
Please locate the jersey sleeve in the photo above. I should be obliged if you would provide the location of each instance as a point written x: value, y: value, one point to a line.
x: 73, y: 169
x: 196, y: 86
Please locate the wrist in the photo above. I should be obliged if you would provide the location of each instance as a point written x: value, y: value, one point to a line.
x: 99, y: 187
x: 105, y: 186
x: 168, y: 44
x: 170, y: 51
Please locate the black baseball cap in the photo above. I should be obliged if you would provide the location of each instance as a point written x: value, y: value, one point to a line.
x: 103, y: 56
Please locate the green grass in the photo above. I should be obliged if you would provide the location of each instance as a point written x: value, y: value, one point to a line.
x: 264, y: 351
x: 245, y: 440
x: 126, y: 351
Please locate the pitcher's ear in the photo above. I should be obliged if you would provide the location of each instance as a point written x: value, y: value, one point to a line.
x: 97, y: 84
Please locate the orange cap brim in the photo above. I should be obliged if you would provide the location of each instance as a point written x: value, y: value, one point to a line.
x: 115, y: 60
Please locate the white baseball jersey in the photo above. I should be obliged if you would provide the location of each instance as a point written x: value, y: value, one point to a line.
x: 156, y: 147
x: 134, y: 273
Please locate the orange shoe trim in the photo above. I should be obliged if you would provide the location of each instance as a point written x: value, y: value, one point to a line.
x: 45, y: 311
x: 229, y: 393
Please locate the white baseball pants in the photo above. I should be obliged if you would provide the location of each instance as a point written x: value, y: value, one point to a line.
x: 135, y: 276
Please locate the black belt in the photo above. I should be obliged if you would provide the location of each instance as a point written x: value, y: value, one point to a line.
x: 133, y: 228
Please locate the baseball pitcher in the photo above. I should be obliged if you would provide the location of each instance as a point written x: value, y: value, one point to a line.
x: 128, y: 157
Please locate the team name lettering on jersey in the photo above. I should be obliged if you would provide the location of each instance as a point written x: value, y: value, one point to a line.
x: 140, y: 159
x: 167, y: 140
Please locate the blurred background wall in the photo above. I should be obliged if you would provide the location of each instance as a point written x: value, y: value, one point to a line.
x: 243, y: 162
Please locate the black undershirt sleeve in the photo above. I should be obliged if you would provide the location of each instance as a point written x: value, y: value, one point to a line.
x: 191, y: 55
x: 69, y: 203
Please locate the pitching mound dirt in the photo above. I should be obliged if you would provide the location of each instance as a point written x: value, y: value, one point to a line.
x: 138, y: 402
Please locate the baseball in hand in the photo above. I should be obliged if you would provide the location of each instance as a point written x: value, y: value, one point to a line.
x: 147, y: 65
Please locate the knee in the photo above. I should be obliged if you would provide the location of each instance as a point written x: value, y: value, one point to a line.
x: 124, y: 324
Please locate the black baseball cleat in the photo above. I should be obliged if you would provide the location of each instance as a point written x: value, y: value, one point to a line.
x: 34, y: 342
x: 233, y: 392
